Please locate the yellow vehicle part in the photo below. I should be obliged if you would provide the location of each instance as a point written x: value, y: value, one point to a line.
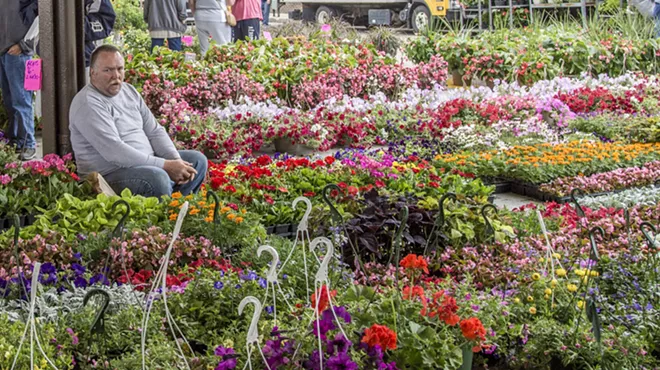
x: 438, y: 8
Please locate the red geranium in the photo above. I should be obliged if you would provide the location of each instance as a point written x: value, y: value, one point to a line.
x: 324, y: 300
x: 380, y: 335
x: 473, y: 329
x: 415, y: 262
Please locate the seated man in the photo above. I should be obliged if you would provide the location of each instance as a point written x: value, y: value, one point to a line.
x: 114, y: 135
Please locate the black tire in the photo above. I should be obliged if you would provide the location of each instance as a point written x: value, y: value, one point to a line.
x: 420, y: 18
x: 325, y: 14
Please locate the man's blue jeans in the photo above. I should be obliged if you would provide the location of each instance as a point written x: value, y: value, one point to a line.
x: 265, y: 11
x: 172, y: 43
x: 17, y: 100
x: 155, y: 182
x: 656, y: 15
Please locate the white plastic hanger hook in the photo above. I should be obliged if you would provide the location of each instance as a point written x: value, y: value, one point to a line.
x: 304, y: 222
x: 253, y: 329
x: 322, y: 273
x: 160, y: 281
x: 272, y: 272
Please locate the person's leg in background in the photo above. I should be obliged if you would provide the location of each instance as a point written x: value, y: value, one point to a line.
x: 265, y: 11
x: 656, y: 15
x: 239, y: 31
x: 22, y: 122
x: 253, y: 28
x: 156, y: 42
x: 203, y: 33
x: 200, y: 163
x: 220, y: 32
x: 174, y: 43
x: 6, y: 101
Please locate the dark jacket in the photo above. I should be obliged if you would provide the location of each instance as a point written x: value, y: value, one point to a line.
x: 12, y: 28
x: 99, y: 21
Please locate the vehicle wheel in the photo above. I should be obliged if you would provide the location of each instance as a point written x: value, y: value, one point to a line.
x: 421, y: 18
x: 324, y: 14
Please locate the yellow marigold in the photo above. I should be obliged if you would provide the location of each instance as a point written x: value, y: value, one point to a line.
x: 561, y: 272
x: 553, y: 283
x: 174, y: 203
x: 173, y: 216
x: 224, y: 210
x: 593, y: 273
x: 516, y: 300
x: 556, y: 255
x: 536, y: 276
x: 547, y: 291
x: 580, y: 304
x: 530, y: 298
x: 580, y: 272
x: 532, y: 310
x: 546, y: 297
x: 572, y: 288
x: 177, y: 195
x: 231, y: 216
x: 238, y: 220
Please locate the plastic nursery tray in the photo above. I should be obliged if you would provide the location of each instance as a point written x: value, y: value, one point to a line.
x: 6, y: 223
x: 285, y: 230
x: 533, y: 191
x: 501, y: 185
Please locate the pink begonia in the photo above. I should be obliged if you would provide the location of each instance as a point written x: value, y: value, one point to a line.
x: 5, y: 179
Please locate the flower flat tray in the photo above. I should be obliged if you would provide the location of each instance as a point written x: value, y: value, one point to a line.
x: 532, y: 191
x: 7, y: 223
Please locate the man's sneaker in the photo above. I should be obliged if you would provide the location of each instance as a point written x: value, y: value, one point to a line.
x: 28, y: 153
x: 99, y: 185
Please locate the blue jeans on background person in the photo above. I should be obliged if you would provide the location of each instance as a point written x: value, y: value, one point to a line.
x: 17, y: 100
x: 656, y: 15
x: 151, y: 181
x: 265, y: 11
x: 173, y: 43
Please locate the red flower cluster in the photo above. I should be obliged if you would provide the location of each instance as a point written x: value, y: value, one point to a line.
x: 414, y: 262
x: 324, y: 300
x: 380, y: 335
x: 600, y: 99
x: 474, y: 330
x: 444, y: 307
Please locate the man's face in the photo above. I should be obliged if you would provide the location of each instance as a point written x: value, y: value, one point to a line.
x: 107, y: 74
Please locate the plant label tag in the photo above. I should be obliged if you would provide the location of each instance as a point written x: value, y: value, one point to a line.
x: 190, y: 57
x: 268, y: 36
x: 187, y: 40
x: 33, y: 75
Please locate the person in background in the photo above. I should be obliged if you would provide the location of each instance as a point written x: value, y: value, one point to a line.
x: 656, y: 16
x: 165, y: 20
x: 99, y: 22
x: 117, y: 141
x: 248, y: 19
x: 16, y: 48
x: 211, y: 21
x: 265, y: 11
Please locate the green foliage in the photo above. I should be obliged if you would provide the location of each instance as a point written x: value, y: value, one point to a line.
x: 129, y: 16
x: 639, y: 129
x: 384, y: 40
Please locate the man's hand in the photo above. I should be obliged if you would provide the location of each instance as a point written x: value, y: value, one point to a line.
x: 180, y: 171
x: 15, y: 50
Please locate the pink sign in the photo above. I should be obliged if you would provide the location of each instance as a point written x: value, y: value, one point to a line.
x: 33, y: 75
x: 326, y: 28
x: 268, y: 36
x: 187, y: 40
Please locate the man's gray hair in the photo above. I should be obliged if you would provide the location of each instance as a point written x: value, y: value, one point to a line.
x: 105, y: 48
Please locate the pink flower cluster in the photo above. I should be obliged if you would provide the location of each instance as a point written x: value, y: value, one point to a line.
x: 621, y: 178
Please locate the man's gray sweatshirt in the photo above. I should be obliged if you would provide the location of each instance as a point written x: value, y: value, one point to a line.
x: 165, y: 15
x: 110, y: 133
x: 12, y: 29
